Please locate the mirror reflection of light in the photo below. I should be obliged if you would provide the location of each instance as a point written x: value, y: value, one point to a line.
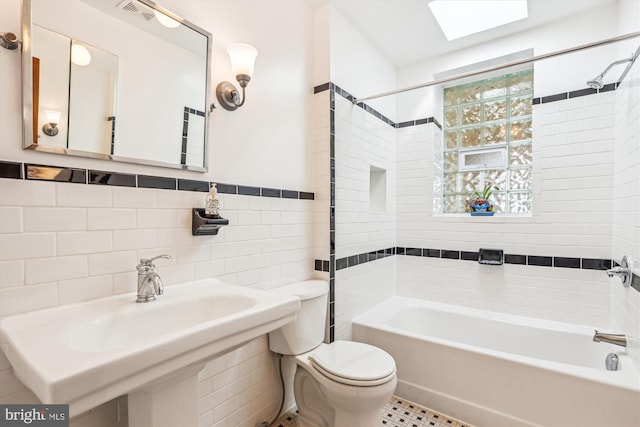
x: 166, y: 20
x: 80, y: 55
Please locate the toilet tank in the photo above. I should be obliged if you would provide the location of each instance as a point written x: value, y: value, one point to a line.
x: 306, y: 332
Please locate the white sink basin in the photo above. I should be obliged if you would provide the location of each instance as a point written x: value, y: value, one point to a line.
x: 89, y: 353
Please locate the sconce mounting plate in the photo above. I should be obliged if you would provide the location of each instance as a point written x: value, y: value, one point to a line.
x: 227, y: 95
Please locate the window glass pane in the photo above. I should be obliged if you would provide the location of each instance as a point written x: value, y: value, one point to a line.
x: 520, y: 130
x: 487, y: 137
x: 469, y: 93
x: 495, y: 87
x: 520, y: 202
x: 495, y: 134
x: 451, y: 117
x: 520, y: 155
x: 451, y: 140
x: 450, y: 204
x: 495, y: 110
x: 470, y: 114
x: 469, y: 182
x: 520, y: 179
x: 450, y: 181
x: 521, y: 106
x: 470, y: 137
x: 499, y: 201
x: 450, y: 96
x: 520, y: 82
x: 497, y: 178
x: 451, y: 161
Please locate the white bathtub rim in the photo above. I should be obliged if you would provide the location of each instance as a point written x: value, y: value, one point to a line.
x: 627, y: 377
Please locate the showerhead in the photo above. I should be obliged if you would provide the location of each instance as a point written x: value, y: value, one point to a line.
x: 596, y: 83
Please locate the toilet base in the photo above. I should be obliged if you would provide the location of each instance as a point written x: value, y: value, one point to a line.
x: 325, y: 403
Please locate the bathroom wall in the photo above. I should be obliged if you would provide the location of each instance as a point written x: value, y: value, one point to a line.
x: 625, y: 302
x: 63, y: 242
x: 568, y: 241
x: 571, y: 219
x: 363, y: 151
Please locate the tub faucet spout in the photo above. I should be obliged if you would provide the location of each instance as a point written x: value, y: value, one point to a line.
x: 617, y: 339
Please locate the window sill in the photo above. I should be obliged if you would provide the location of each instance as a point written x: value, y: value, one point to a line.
x: 482, y: 218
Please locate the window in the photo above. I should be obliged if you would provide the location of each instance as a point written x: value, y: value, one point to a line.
x: 487, y: 139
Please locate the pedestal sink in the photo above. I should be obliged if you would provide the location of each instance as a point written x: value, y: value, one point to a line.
x: 89, y: 353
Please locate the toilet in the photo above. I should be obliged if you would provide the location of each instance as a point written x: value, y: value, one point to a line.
x: 342, y: 384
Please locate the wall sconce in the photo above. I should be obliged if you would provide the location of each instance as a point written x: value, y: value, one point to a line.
x: 51, y: 127
x: 243, y: 58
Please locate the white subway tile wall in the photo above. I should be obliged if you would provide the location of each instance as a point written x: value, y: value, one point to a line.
x: 361, y: 287
x: 625, y: 302
x: 571, y: 217
x: 362, y: 141
x: 64, y: 243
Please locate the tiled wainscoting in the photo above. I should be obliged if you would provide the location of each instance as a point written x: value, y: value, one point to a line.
x: 63, y: 243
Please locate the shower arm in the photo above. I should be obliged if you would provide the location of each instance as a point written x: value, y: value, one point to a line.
x: 502, y: 66
x: 621, y: 61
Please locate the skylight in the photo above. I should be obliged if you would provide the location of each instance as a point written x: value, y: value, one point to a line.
x: 459, y: 18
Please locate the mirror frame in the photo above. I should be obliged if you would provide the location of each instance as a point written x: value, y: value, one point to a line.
x: 27, y: 98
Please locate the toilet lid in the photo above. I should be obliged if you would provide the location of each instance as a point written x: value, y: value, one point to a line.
x: 354, y: 363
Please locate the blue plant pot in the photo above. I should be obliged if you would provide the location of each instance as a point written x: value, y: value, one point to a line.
x: 480, y: 207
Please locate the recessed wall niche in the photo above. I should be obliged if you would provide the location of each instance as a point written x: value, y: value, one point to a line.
x: 377, y: 190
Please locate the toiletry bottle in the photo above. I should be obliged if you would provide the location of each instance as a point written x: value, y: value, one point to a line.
x: 212, y: 204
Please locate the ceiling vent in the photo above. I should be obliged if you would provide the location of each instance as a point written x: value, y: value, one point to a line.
x: 136, y: 8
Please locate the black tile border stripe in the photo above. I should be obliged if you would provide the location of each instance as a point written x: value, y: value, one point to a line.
x: 349, y: 97
x: 12, y: 170
x: 528, y: 260
x: 21, y: 171
x: 37, y: 172
x: 635, y: 282
x: 112, y: 178
x: 563, y: 96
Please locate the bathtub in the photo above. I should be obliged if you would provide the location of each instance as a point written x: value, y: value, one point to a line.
x: 498, y: 370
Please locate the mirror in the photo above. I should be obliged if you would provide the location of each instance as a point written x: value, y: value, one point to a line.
x: 124, y: 80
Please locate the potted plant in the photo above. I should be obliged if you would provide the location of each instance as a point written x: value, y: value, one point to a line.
x: 479, y: 203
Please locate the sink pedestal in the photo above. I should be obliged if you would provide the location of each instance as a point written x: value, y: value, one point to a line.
x: 169, y: 402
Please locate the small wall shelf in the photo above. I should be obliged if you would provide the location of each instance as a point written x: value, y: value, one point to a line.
x: 203, y: 226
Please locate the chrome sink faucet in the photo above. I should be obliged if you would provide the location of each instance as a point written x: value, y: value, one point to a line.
x: 617, y: 339
x: 149, y: 282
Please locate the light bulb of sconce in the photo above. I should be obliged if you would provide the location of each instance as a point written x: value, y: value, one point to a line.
x: 52, y: 116
x: 165, y: 20
x: 52, y: 119
x: 243, y: 58
x: 80, y: 55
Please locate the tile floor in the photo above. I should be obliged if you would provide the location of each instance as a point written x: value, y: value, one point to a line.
x: 397, y: 413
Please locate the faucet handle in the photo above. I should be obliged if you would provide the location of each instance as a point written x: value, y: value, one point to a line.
x: 149, y: 261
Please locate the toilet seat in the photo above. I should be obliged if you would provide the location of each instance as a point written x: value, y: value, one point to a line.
x: 353, y: 363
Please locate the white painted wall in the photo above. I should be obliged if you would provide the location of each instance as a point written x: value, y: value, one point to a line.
x: 253, y: 145
x: 358, y: 67
x: 551, y: 76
